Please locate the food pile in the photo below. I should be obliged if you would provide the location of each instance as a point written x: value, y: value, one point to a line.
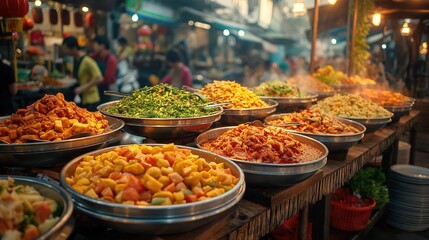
x: 24, y: 212
x: 162, y: 101
x: 309, y: 84
x: 385, y: 98
x: 49, y: 81
x: 351, y: 106
x: 150, y: 175
x: 51, y: 118
x: 229, y: 91
x: 312, y: 121
x: 277, y: 88
x: 330, y: 76
x: 359, y: 80
x: 262, y: 145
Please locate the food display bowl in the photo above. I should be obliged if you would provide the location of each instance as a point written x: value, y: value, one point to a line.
x: 57, y: 153
x: 157, y: 219
x: 162, y: 128
x: 372, y: 124
x: 274, y: 175
x: 334, y: 142
x: 399, y: 111
x: 233, y: 116
x: 61, y: 229
x: 290, y: 104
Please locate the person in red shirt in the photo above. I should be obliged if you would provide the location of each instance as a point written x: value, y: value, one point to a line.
x: 179, y: 75
x: 107, y: 63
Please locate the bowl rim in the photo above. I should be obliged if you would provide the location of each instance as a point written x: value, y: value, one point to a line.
x: 102, y: 108
x: 68, y: 209
x: 323, y: 155
x: 343, y: 120
x: 149, y: 207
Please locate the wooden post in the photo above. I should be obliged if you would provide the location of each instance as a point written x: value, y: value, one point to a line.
x: 302, y: 226
x: 314, y: 35
x: 352, y: 39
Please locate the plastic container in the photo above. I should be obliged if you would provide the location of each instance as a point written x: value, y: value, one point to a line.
x: 404, y: 150
x: 349, y: 218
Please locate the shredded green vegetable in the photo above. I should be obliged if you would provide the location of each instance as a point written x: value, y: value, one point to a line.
x: 162, y: 101
x: 276, y: 88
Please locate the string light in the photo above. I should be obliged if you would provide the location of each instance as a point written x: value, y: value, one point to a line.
x: 405, y: 30
x: 332, y: 2
x: 376, y: 19
x: 135, y: 17
x: 85, y: 9
x: 38, y: 3
x: 299, y: 8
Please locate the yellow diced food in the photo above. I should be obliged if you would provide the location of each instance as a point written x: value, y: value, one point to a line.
x: 215, y: 192
x: 165, y: 194
x: 135, y: 168
x: 108, y: 182
x: 91, y: 193
x: 151, y: 183
x: 178, y: 196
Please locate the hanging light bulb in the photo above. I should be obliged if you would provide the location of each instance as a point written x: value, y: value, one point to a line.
x: 135, y: 17
x: 376, y: 19
x: 405, y: 30
x: 299, y: 8
x: 423, y: 48
x: 332, y: 2
x: 85, y: 9
x: 38, y: 3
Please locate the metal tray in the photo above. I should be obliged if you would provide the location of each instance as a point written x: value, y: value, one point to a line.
x: 268, y: 175
x: 62, y: 228
x: 334, y: 142
x: 233, y: 116
x: 161, y: 128
x: 49, y: 154
x: 372, y: 124
x: 399, y: 111
x: 290, y: 104
x: 156, y: 212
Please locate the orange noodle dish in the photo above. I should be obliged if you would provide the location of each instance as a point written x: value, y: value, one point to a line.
x: 261, y: 145
x: 385, y: 98
x: 51, y: 118
x: 312, y: 121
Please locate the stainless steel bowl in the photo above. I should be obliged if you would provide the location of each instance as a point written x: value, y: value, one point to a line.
x: 160, y: 225
x: 59, y: 229
x: 166, y: 218
x: 268, y: 175
x: 233, y: 116
x: 372, y: 124
x: 56, y: 153
x: 162, y: 128
x: 399, y: 111
x: 334, y: 142
x: 290, y: 104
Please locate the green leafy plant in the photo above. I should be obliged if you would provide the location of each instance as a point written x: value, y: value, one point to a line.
x: 369, y: 182
x: 361, y: 52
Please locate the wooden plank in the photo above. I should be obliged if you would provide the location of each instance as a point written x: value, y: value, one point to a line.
x: 272, y: 197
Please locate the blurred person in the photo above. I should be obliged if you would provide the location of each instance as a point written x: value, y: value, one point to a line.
x: 126, y: 76
x: 179, y: 74
x: 201, y: 60
x: 270, y: 72
x: 86, y: 71
x: 38, y: 71
x: 107, y: 63
x: 183, y: 48
x: 284, y: 65
x: 8, y: 88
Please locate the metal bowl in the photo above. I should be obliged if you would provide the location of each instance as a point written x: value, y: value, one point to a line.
x: 334, y: 142
x: 232, y: 116
x: 157, y: 219
x: 372, y: 124
x: 161, y: 128
x: 60, y: 229
x: 323, y: 94
x: 290, y: 104
x: 399, y: 111
x: 56, y: 153
x: 268, y: 175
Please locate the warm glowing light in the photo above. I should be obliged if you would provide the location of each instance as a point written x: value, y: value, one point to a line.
x: 383, y: 46
x: 38, y: 3
x: 202, y: 25
x: 423, y: 50
x: 135, y: 17
x: 376, y: 19
x: 334, y: 41
x: 191, y: 23
x: 241, y: 33
x: 405, y: 30
x: 85, y: 9
x: 299, y: 8
x: 332, y: 2
x: 226, y: 32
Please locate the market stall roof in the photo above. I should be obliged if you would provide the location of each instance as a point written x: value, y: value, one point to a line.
x: 330, y: 16
x: 417, y: 9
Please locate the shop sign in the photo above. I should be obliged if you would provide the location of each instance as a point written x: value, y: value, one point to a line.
x: 13, y: 24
